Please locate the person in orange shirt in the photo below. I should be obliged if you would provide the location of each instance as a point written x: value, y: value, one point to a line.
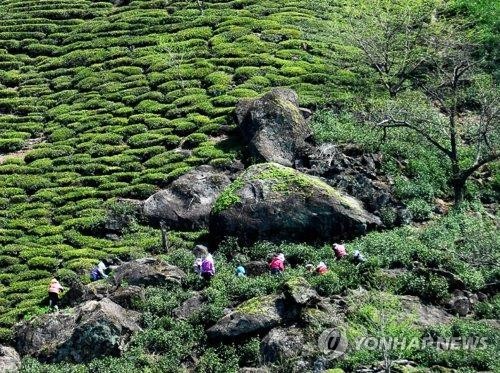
x: 54, y: 289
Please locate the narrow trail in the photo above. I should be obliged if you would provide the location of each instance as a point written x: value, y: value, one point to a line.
x: 30, y: 143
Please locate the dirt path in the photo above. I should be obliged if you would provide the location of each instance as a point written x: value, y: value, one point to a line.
x: 30, y: 143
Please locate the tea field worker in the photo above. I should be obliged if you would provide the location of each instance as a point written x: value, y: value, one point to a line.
x: 240, y: 271
x: 98, y: 272
x: 208, y: 268
x: 197, y: 266
x: 309, y: 268
x: 276, y: 265
x: 54, y: 289
x: 358, y: 257
x: 321, y: 268
x: 339, y: 251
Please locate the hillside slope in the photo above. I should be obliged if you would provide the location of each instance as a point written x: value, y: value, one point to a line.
x: 103, y: 101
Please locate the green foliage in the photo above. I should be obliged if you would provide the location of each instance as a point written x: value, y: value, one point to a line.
x: 419, y: 209
x: 219, y: 360
x: 342, y: 128
x: 481, y: 341
x: 428, y: 287
x: 126, y: 99
x: 489, y: 309
x: 376, y: 314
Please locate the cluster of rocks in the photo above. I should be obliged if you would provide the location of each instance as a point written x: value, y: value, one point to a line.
x: 281, y: 320
x: 104, y: 323
x: 297, y: 191
x: 463, y: 302
x: 92, y: 329
x: 101, y: 322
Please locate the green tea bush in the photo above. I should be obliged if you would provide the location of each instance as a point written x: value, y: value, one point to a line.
x: 481, y: 354
x: 221, y: 360
x: 11, y: 144
x: 489, y: 309
x: 420, y: 209
x: 428, y: 287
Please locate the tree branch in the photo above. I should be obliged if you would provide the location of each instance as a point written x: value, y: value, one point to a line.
x: 477, y: 165
x: 393, y: 123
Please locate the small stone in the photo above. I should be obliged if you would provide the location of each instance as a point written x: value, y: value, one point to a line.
x: 10, y: 361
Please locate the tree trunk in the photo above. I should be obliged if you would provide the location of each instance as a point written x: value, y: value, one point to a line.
x: 164, y: 236
x: 458, y: 191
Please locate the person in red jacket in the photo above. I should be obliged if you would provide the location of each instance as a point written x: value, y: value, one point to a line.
x: 276, y: 265
x: 321, y: 268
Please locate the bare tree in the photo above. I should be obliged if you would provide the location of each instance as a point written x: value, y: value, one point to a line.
x: 392, y: 36
x: 455, y: 109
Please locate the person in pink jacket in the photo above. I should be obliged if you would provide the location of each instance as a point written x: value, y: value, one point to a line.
x: 277, y: 266
x: 54, y: 289
x: 339, y: 251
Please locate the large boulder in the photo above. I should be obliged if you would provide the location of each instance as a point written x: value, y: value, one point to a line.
x: 282, y: 344
x: 10, y: 362
x: 256, y: 267
x: 272, y: 202
x: 129, y: 297
x: 126, y: 296
x: 93, y: 329
x: 299, y: 291
x: 254, y: 316
x: 148, y: 272
x: 190, y: 306
x: 359, y: 174
x: 273, y: 126
x: 460, y: 305
x: 427, y: 315
x: 187, y: 202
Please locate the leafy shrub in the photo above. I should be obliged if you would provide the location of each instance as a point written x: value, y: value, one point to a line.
x: 429, y: 287
x: 43, y: 263
x: 419, y: 209
x: 10, y: 145
x: 489, y: 309
x: 220, y: 360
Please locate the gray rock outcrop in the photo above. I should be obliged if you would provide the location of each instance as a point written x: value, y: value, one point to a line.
x: 148, y: 272
x: 187, y: 202
x: 273, y: 126
x: 93, y: 329
x: 10, y: 362
x: 281, y: 344
x: 253, y: 316
x: 272, y: 202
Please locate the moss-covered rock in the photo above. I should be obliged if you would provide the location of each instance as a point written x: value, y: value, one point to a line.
x: 272, y: 202
x: 299, y: 290
x: 253, y: 316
